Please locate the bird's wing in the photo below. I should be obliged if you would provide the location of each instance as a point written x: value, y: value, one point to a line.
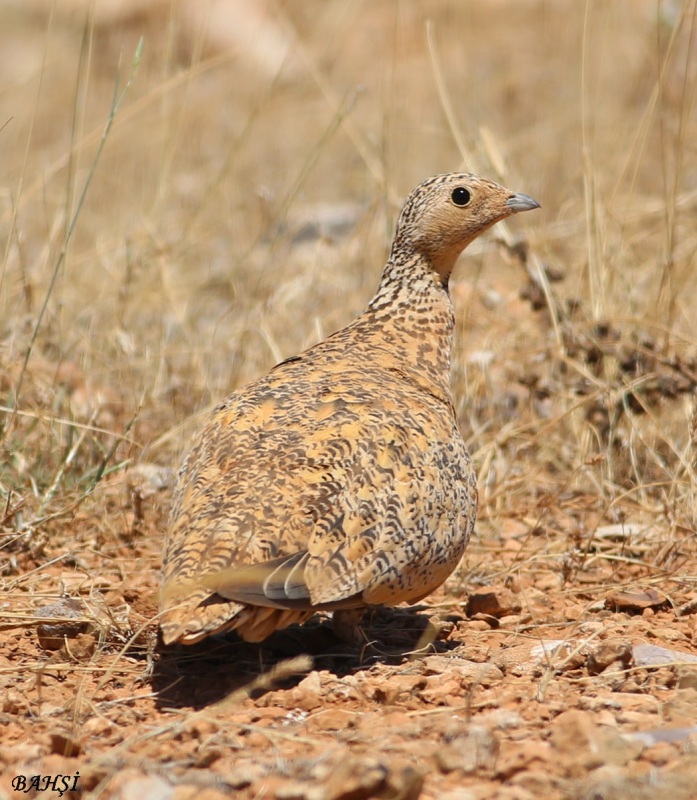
x: 363, y: 505
x: 402, y: 525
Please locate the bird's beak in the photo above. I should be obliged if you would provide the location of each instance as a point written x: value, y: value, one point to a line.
x: 521, y: 202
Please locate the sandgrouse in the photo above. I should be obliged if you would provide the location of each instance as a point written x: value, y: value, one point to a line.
x: 339, y: 480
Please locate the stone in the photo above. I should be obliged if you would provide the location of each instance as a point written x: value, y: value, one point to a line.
x: 476, y: 750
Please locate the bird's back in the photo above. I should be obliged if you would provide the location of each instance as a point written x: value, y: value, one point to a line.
x: 340, y: 479
x: 346, y: 458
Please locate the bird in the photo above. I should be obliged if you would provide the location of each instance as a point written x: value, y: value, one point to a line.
x: 339, y: 481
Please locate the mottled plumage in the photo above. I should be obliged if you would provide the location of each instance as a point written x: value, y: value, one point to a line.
x: 339, y: 480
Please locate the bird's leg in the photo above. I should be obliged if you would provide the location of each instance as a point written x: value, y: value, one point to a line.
x: 347, y: 626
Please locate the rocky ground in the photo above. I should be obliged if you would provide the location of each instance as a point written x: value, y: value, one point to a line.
x: 535, y: 685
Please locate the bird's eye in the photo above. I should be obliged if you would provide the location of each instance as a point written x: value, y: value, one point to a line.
x: 460, y: 196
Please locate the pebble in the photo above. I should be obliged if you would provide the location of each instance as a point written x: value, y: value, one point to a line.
x: 333, y: 719
x: 611, y: 652
x: 499, y: 603
x: 476, y: 750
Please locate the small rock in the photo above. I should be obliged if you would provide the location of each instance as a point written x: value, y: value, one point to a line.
x: 356, y: 779
x: 635, y: 600
x: 441, y: 690
x: 67, y: 621
x: 511, y: 621
x: 668, y: 633
x: 651, y: 655
x: 311, y: 683
x: 574, y: 736
x: 583, y: 745
x: 333, y: 719
x: 474, y: 625
x: 307, y: 695
x: 472, y: 672
x: 490, y: 622
x: 478, y: 749
x: 499, y: 603
x: 614, y: 651
x: 436, y: 665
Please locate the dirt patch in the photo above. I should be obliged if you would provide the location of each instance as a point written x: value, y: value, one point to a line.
x: 531, y: 687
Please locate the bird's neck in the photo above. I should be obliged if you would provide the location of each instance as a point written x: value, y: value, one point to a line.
x: 410, y: 321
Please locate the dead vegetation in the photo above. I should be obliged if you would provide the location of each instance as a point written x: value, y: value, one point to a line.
x: 235, y: 215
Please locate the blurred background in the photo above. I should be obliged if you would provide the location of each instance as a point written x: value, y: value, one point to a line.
x: 244, y: 164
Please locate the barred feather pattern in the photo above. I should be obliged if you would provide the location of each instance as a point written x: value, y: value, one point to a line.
x: 339, y: 480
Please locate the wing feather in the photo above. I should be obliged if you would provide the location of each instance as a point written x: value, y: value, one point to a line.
x: 289, y: 505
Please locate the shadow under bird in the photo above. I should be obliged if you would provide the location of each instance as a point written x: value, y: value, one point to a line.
x: 339, y: 480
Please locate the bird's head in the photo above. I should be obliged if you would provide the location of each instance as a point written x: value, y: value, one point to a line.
x: 447, y: 212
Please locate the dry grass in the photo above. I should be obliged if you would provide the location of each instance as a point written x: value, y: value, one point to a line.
x: 195, y: 263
